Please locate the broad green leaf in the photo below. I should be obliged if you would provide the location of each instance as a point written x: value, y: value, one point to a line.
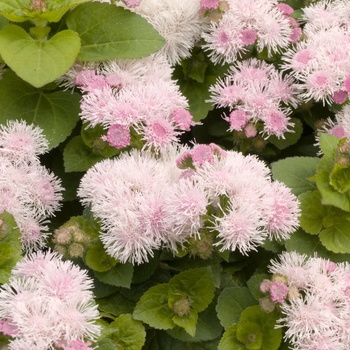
x: 106, y: 344
x: 340, y: 178
x: 208, y: 327
x: 250, y: 334
x: 198, y: 284
x: 312, y: 212
x: 52, y: 10
x: 328, y: 144
x: 271, y: 337
x: 159, y: 340
x: 254, y: 283
x: 295, y: 172
x: 304, y: 243
x: 38, y: 62
x: 97, y: 259
x: 336, y: 236
x: 79, y: 157
x: 119, y: 276
x: 55, y: 112
x: 291, y: 137
x: 115, y: 305
x: 153, y: 308
x: 10, y: 245
x: 187, y: 322
x: 109, y: 32
x: 229, y: 340
x: 330, y: 196
x: 231, y: 302
x: 127, y: 333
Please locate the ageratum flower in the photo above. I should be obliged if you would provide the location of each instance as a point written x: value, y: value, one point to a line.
x: 48, y: 304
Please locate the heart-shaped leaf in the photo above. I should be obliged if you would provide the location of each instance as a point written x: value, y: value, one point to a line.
x: 38, y: 62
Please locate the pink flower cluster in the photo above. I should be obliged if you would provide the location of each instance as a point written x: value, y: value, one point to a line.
x: 264, y: 23
x: 321, y: 62
x: 256, y: 92
x: 48, y: 304
x: 146, y: 202
x: 316, y: 311
x: 28, y: 191
x: 137, y: 95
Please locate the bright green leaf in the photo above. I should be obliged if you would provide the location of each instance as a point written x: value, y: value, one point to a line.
x: 109, y: 32
x: 118, y: 276
x: 79, y: 157
x: 38, y: 62
x: 208, y: 327
x: 250, y: 334
x: 187, y: 322
x: 330, y: 196
x: 55, y: 112
x: 254, y: 283
x: 198, y: 284
x: 106, y: 344
x: 127, y: 333
x: 229, y: 340
x: 271, y: 337
x: 312, y: 212
x: 153, y: 308
x: 97, y: 259
x: 340, y: 178
x: 294, y: 172
x: 328, y: 144
x: 231, y: 302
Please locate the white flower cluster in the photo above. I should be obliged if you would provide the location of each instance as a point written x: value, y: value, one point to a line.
x: 28, y: 191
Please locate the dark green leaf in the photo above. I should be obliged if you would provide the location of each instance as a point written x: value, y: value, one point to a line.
x: 119, y: 275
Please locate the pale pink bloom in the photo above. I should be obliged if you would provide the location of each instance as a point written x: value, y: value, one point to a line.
x: 209, y: 4
x: 22, y: 143
x: 250, y: 130
x: 118, y: 136
x: 201, y: 154
x: 88, y: 80
x: 285, y: 8
x: 347, y: 84
x: 240, y: 228
x: 278, y: 291
x: 74, y: 345
x: 343, y: 120
x: 48, y: 300
x: 265, y: 285
x: 296, y: 35
x: 179, y: 22
x: 237, y: 120
x: 340, y: 96
x: 282, y: 218
x: 184, y: 207
x: 276, y: 122
x: 182, y: 119
x: 225, y: 93
x: 292, y: 266
x: 246, y: 23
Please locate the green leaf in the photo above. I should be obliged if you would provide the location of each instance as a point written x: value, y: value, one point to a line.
x: 208, y: 327
x: 312, y: 212
x: 231, y: 302
x: 336, y: 236
x: 119, y: 275
x: 153, y: 309
x: 294, y: 172
x: 197, y: 284
x: 330, y: 196
x: 328, y: 144
x: 55, y: 112
x: 291, y: 138
x: 10, y: 245
x: 110, y: 32
x: 38, y: 62
x: 97, y: 259
x: 106, y: 344
x: 115, y: 305
x: 79, y: 157
x: 340, y: 178
x: 304, y: 243
x: 271, y: 337
x: 187, y: 322
x: 52, y: 11
x: 254, y: 283
x: 127, y: 333
x: 229, y: 340
x: 250, y: 334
